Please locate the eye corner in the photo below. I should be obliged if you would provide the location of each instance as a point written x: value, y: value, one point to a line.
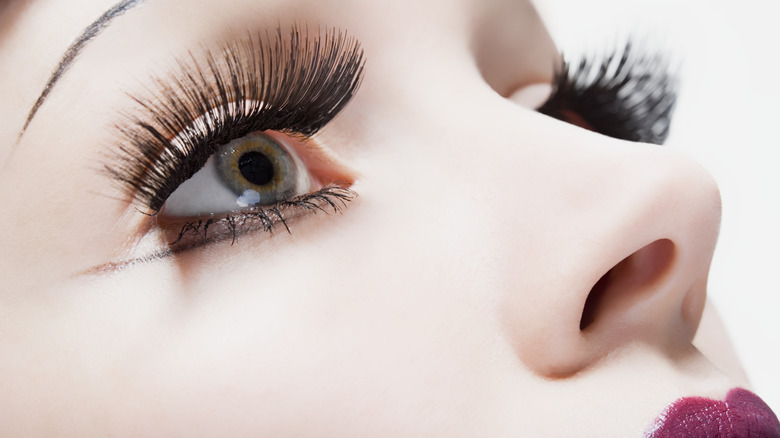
x: 532, y: 96
x: 326, y: 165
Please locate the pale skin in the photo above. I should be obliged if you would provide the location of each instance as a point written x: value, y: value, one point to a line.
x: 445, y: 300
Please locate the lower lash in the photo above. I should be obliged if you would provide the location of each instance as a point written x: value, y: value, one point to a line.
x: 192, y: 234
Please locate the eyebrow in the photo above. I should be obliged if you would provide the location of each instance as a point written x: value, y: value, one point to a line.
x: 87, y: 35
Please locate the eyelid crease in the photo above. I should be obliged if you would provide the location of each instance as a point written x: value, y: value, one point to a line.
x: 293, y: 83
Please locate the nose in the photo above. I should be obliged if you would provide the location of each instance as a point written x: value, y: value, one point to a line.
x: 582, y: 243
x: 622, y: 236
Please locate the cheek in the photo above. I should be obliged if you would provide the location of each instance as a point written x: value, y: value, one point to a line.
x: 346, y: 360
x: 45, y: 206
x: 251, y: 345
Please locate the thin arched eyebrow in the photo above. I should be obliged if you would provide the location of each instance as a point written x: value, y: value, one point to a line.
x: 70, y: 55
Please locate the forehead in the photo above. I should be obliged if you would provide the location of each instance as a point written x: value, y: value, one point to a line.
x: 382, y: 18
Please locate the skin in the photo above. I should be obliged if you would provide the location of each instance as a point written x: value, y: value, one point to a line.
x: 445, y: 301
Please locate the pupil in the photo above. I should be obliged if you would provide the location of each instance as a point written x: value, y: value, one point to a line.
x: 256, y: 168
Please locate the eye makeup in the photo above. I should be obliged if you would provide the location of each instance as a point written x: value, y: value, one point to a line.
x: 198, y: 232
x: 291, y: 83
x: 628, y: 94
x: 287, y: 83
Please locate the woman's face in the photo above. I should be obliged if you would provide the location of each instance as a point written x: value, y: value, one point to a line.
x: 447, y: 297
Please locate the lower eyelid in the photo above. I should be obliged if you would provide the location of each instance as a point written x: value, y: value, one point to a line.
x: 183, y: 236
x: 193, y: 233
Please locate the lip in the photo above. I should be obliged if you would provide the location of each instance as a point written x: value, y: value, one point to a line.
x: 741, y: 414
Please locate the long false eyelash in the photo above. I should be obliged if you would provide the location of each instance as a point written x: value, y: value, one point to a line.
x: 290, y: 83
x: 625, y: 95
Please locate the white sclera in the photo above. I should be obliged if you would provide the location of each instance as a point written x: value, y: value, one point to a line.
x: 201, y: 195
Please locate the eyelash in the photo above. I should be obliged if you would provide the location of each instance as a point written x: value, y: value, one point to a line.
x: 287, y: 83
x: 294, y: 85
x: 191, y: 234
x: 625, y: 95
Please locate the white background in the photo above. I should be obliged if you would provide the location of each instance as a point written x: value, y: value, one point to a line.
x: 727, y: 118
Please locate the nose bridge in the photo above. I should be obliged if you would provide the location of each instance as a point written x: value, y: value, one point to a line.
x: 596, y: 242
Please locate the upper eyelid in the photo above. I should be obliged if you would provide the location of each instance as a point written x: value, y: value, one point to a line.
x: 294, y: 83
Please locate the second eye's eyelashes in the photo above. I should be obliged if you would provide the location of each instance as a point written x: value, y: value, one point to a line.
x: 292, y: 83
x: 628, y: 94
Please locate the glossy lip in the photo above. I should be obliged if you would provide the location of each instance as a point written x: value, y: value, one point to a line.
x: 742, y: 414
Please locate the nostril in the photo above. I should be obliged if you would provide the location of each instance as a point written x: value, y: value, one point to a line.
x: 628, y: 281
x: 595, y: 297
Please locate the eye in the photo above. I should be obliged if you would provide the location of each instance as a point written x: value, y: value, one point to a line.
x: 224, y: 145
x: 628, y: 94
x: 258, y: 169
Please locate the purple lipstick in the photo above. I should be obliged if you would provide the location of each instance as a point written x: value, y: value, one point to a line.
x: 742, y: 414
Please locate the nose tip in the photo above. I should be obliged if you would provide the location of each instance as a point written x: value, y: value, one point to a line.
x: 639, y: 276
